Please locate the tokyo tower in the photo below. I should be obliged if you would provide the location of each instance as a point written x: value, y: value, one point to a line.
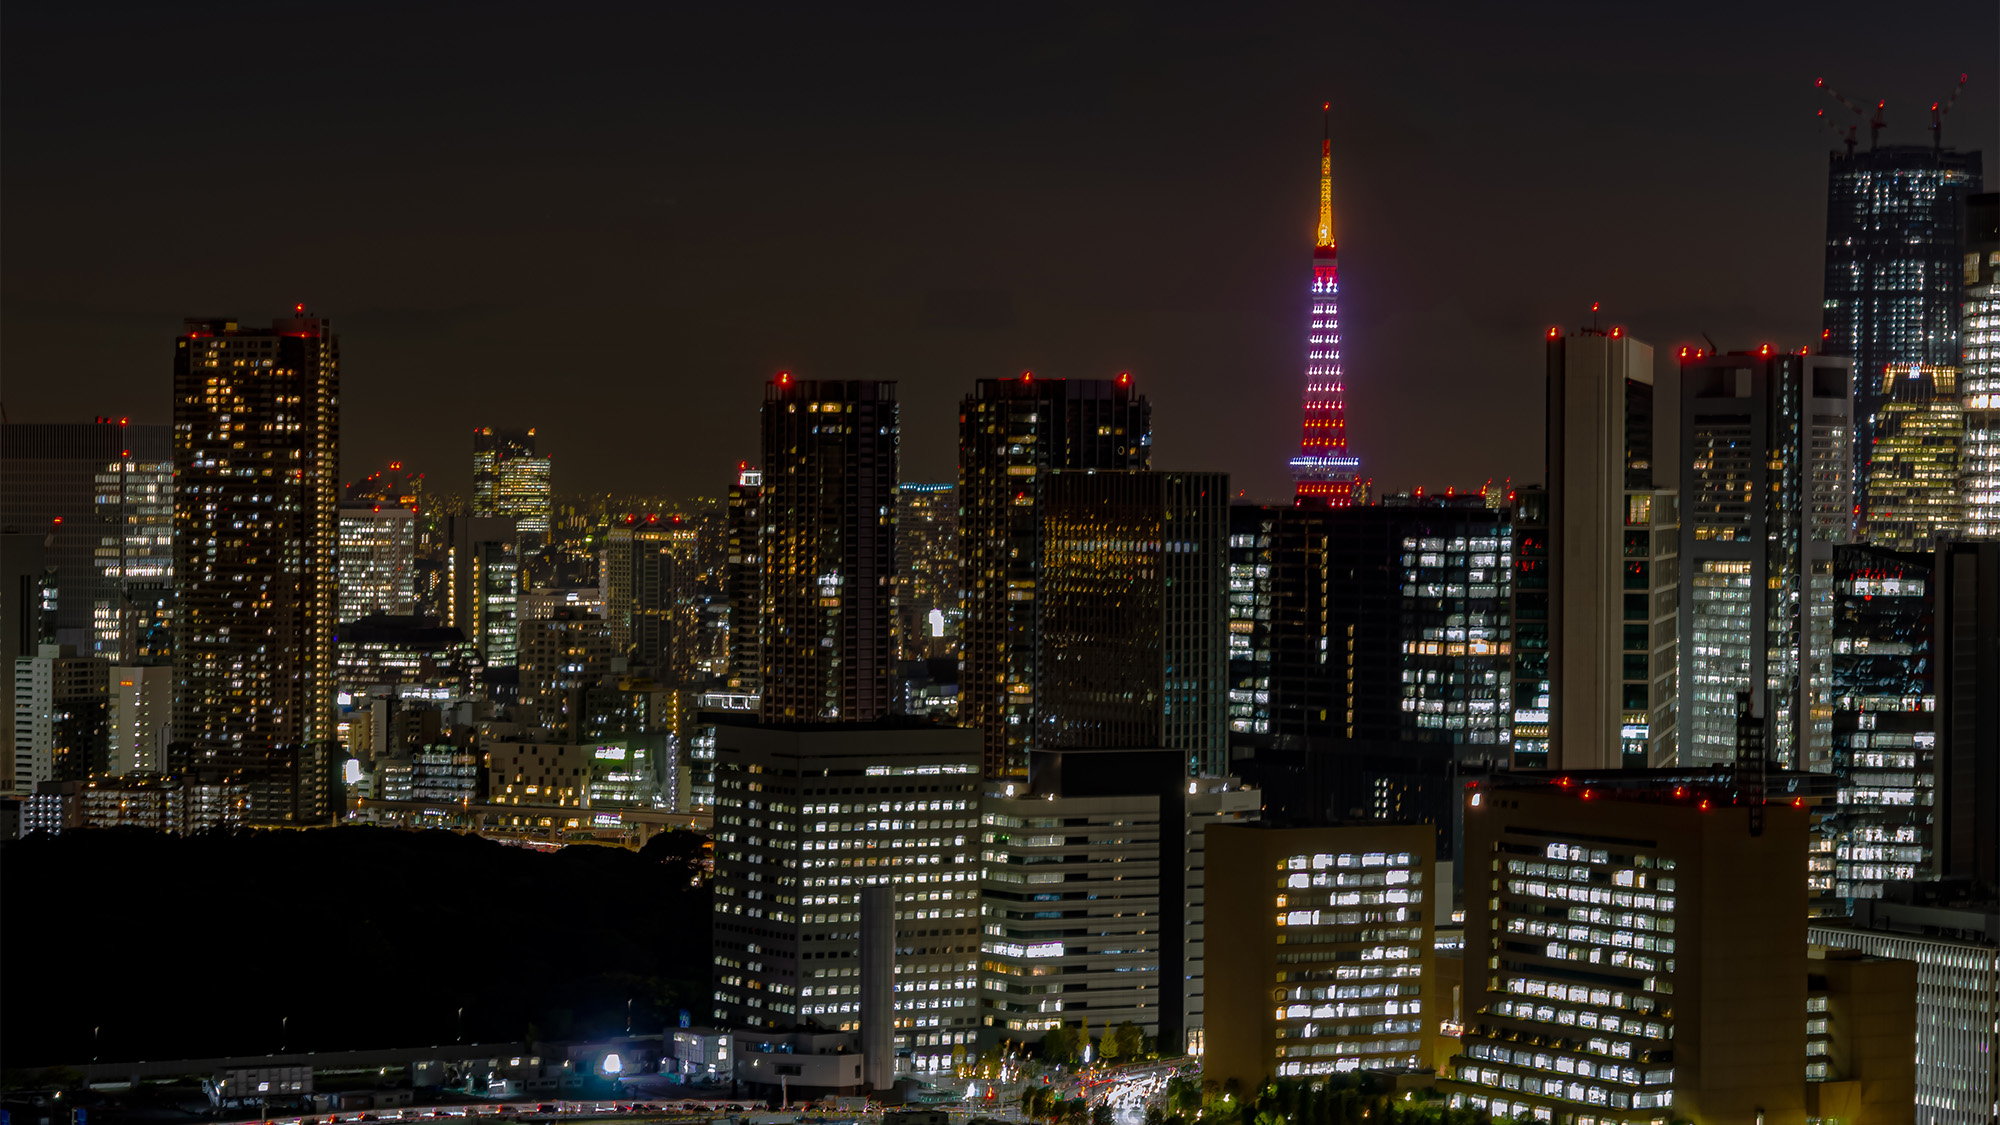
x: 1323, y: 471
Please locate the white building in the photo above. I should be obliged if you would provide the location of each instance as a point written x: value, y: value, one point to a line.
x: 805, y: 818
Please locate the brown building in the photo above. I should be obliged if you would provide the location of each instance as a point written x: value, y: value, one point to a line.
x: 1319, y: 950
x: 1636, y: 952
x: 1861, y: 1020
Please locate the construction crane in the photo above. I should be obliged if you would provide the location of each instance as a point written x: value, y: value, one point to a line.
x: 1875, y: 124
x: 1848, y: 138
x: 1939, y: 110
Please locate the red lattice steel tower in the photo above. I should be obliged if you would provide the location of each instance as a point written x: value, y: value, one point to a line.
x: 1323, y: 470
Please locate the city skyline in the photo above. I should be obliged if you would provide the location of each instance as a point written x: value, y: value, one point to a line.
x: 1423, y: 125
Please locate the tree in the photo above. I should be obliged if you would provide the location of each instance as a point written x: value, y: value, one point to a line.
x: 1130, y: 1041
x: 1100, y: 1114
x: 1059, y: 1045
x: 684, y: 852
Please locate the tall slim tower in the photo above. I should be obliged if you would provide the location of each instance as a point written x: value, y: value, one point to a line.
x: 1323, y: 470
x: 256, y: 456
x: 827, y: 596
x: 1610, y: 578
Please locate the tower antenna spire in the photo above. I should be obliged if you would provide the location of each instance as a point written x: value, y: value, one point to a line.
x: 1326, y: 475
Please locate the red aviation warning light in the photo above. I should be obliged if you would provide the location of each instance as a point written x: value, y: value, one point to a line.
x: 1124, y: 378
x: 1554, y: 332
x: 784, y: 378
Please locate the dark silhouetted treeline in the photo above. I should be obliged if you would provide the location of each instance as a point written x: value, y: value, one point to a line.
x: 336, y: 939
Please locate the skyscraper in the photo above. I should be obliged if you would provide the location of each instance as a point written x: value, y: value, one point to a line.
x: 1612, y: 540
x: 510, y: 480
x: 1766, y: 492
x: 1014, y: 433
x: 1133, y: 633
x: 256, y: 453
x: 103, y: 494
x: 826, y: 627
x: 1324, y: 470
x: 1979, y: 367
x: 1894, y: 243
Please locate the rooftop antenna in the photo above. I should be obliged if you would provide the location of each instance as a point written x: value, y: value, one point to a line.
x: 1848, y: 139
x: 1712, y: 349
x: 1876, y: 124
x: 1593, y: 316
x: 1938, y: 112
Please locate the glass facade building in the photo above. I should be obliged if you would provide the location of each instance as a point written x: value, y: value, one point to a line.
x: 1913, y: 496
x: 1133, y: 614
x: 510, y: 480
x: 1766, y: 492
x: 1894, y: 246
x: 1885, y: 718
x: 1013, y: 434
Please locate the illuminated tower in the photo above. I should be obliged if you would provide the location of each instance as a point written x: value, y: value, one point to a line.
x: 256, y: 449
x: 1324, y: 471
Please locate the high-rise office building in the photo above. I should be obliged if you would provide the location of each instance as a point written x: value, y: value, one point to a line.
x: 1385, y: 622
x: 1894, y: 246
x: 1134, y: 614
x: 827, y: 591
x: 1979, y: 367
x: 103, y: 493
x: 1319, y: 950
x: 809, y: 817
x: 377, y: 556
x: 510, y: 480
x: 1766, y: 491
x: 1640, y: 953
x: 256, y: 453
x: 1324, y: 471
x: 927, y: 570
x: 1612, y: 536
x: 1913, y: 495
x: 1013, y: 434
x: 742, y: 576
x: 1884, y: 719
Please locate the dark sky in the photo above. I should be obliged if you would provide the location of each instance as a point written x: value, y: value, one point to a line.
x: 614, y: 221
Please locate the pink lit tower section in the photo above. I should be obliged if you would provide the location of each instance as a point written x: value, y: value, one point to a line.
x: 1324, y: 471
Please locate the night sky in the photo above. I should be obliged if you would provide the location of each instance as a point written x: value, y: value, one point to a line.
x: 613, y: 222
